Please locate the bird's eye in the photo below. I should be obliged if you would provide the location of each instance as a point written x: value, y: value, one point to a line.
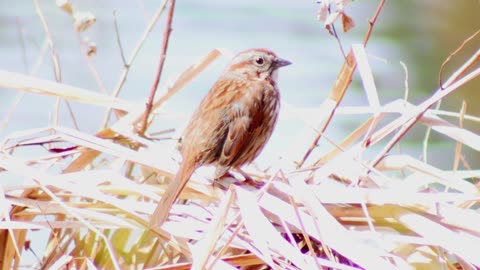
x: 259, y: 60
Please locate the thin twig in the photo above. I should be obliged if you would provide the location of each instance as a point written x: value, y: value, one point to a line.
x: 426, y: 105
x: 90, y: 65
x: 119, y: 41
x: 372, y: 22
x: 133, y: 56
x: 55, y: 61
x: 334, y: 32
x: 410, y: 120
x: 407, y: 88
x: 339, y: 41
x: 343, y: 81
x: 72, y: 115
x: 454, y: 77
x: 56, y: 67
x: 163, y: 56
x: 464, y: 43
x: 21, y: 40
x: 428, y: 132
x: 458, y: 147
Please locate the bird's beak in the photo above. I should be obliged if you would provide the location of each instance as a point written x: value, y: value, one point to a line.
x: 279, y: 62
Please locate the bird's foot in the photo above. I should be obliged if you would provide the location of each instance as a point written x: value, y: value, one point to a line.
x: 248, y: 180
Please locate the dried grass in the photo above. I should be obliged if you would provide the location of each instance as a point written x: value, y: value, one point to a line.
x: 416, y: 216
x: 93, y: 194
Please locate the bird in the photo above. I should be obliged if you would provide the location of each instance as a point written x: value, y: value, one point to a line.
x: 232, y: 123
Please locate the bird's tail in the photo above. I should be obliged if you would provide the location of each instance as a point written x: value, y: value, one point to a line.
x: 174, y: 189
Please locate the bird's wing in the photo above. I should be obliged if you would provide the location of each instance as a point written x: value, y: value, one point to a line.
x: 238, y: 136
x: 245, y: 120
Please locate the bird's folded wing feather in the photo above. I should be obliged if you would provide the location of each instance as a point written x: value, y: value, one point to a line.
x: 237, y: 137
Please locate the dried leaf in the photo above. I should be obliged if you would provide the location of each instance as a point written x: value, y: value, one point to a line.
x: 90, y: 47
x: 347, y: 22
x: 331, y: 10
x: 83, y: 20
x: 323, y: 11
x: 65, y: 5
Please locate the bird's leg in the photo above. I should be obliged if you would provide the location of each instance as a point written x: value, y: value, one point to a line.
x: 249, y: 180
x: 223, y: 178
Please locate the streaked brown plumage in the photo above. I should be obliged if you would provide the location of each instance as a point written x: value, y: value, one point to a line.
x: 232, y: 124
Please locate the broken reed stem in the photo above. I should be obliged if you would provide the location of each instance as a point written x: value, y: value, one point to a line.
x: 163, y: 56
x: 133, y: 56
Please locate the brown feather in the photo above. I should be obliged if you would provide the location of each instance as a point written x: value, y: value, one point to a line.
x: 171, y: 194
